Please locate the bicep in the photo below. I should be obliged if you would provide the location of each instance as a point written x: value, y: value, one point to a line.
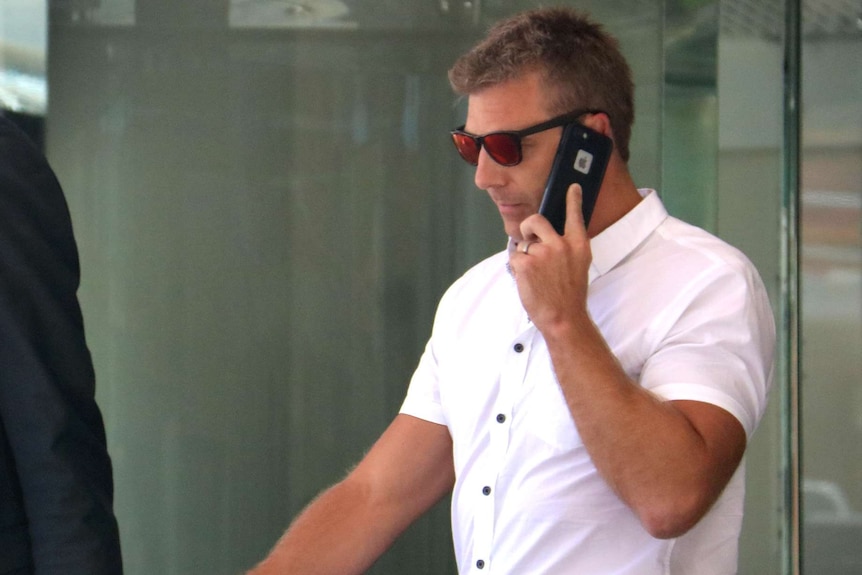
x: 408, y: 469
x: 723, y: 438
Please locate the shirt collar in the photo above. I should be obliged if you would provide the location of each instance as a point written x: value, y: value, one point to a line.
x: 620, y: 239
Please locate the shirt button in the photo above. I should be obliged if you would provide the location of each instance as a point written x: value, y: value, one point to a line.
x: 480, y: 564
x: 519, y: 347
x: 486, y: 490
x: 501, y: 418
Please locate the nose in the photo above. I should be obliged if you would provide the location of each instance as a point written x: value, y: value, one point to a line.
x: 489, y: 174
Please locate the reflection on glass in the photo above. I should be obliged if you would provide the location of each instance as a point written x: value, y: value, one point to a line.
x: 281, y: 14
x: 23, y: 38
x: 831, y: 286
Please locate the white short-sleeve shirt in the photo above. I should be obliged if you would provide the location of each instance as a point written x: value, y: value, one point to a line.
x: 688, y: 318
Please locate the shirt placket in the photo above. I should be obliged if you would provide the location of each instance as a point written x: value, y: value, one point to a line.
x: 512, y: 374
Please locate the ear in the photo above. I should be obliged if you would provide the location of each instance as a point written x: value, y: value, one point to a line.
x: 599, y: 122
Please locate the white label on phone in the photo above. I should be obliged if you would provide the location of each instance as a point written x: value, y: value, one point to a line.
x: 583, y: 161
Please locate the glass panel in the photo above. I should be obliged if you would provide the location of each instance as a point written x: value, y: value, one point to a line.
x: 23, y: 38
x: 267, y: 209
x: 23, y: 47
x: 722, y: 141
x: 689, y: 134
x: 831, y: 289
x: 748, y: 215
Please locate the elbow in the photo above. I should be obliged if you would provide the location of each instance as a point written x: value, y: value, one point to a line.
x: 674, y: 517
x: 667, y: 527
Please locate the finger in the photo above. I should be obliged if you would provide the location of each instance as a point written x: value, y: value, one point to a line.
x: 574, y: 212
x: 537, y: 228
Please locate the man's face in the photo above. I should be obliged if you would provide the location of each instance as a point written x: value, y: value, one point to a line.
x: 514, y: 105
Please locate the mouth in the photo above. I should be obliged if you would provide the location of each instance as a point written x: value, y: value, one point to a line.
x: 513, y: 209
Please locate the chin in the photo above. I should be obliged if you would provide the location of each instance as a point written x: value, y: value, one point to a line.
x: 513, y: 229
x: 513, y: 232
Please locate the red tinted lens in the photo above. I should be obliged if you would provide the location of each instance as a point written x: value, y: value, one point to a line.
x: 467, y: 146
x: 505, y: 149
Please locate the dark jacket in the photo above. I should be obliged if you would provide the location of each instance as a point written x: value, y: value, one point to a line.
x: 56, y: 485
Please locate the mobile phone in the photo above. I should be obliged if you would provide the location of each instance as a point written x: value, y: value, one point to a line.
x: 581, y: 158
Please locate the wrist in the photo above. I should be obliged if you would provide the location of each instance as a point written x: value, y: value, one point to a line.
x: 571, y: 328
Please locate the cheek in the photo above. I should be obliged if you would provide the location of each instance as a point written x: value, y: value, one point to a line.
x: 534, y: 185
x: 538, y: 167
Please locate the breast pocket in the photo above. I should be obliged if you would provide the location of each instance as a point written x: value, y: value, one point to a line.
x: 545, y: 415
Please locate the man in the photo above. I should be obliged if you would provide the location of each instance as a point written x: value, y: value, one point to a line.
x: 586, y: 397
x: 56, y: 487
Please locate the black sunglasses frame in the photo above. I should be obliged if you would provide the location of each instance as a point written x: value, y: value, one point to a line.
x: 517, y: 135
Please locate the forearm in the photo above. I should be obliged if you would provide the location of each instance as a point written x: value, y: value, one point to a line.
x: 340, y: 533
x: 349, y: 526
x: 647, y: 449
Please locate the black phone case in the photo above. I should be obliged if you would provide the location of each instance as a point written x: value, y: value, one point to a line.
x: 581, y: 158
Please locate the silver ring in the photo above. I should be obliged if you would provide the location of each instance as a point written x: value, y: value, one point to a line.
x: 526, y: 249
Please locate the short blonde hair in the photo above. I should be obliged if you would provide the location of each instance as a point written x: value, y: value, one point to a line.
x: 580, y: 63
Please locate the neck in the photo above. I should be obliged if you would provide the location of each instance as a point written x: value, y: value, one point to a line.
x: 617, y: 197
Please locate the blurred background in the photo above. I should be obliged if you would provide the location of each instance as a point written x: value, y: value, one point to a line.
x: 267, y: 210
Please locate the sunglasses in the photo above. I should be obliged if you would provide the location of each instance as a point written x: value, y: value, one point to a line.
x: 505, y: 147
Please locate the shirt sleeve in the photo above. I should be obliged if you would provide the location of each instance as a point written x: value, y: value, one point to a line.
x: 423, y: 399
x: 423, y: 394
x: 719, y: 348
